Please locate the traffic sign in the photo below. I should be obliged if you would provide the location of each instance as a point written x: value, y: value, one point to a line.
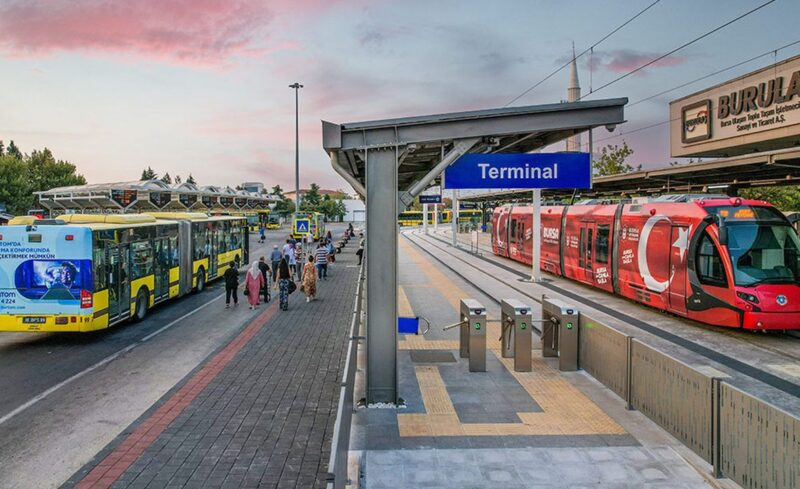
x: 520, y: 170
x: 302, y: 225
x: 430, y: 199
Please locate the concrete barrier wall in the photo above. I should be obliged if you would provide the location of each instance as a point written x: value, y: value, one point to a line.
x: 759, y: 443
x: 674, y: 395
x: 602, y: 352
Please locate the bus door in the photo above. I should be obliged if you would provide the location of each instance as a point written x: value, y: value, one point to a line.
x: 213, y: 236
x: 677, y: 268
x: 586, y: 250
x: 119, y: 291
x: 161, y: 267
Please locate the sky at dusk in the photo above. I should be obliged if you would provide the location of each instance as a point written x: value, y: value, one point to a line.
x: 201, y: 86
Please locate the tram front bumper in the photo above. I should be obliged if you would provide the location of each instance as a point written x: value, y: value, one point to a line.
x: 771, y: 320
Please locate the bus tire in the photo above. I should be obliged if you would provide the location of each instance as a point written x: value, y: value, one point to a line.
x: 201, y: 280
x: 141, y: 305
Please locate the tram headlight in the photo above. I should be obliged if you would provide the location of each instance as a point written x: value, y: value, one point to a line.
x: 747, y: 297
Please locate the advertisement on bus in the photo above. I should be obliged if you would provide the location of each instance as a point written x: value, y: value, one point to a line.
x: 44, y: 271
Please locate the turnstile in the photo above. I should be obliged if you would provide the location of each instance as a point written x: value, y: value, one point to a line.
x: 560, y: 333
x: 515, y: 321
x: 473, y: 334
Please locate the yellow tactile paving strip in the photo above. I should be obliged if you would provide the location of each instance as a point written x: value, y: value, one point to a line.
x: 565, y: 410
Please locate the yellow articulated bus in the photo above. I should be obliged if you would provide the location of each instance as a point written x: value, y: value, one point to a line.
x: 85, y: 272
x: 308, y: 224
x: 474, y: 216
x: 414, y: 218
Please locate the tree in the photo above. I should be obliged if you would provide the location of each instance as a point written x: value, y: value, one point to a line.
x: 2, y: 148
x: 277, y: 191
x: 177, y: 179
x: 612, y: 160
x: 46, y: 173
x: 148, y: 174
x: 167, y: 179
x: 13, y: 150
x: 311, y: 199
x: 191, y: 180
x: 15, y: 188
x: 784, y: 198
x: 284, y: 207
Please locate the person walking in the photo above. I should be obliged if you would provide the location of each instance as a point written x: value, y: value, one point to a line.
x: 309, y: 279
x: 264, y: 269
x: 329, y: 237
x: 291, y: 258
x: 253, y: 283
x: 231, y: 277
x: 360, y: 252
x: 321, y: 256
x: 284, y: 276
x: 262, y: 232
x: 275, y: 258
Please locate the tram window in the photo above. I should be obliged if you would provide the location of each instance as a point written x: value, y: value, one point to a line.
x: 142, y: 259
x: 100, y: 270
x: 513, y: 230
x: 710, y: 270
x: 603, y: 231
x: 581, y: 248
x: 589, y: 249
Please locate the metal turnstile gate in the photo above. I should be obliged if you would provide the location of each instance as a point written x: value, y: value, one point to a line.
x: 560, y: 333
x: 473, y: 334
x: 516, y: 341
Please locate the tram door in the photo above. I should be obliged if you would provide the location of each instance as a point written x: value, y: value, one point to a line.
x: 677, y: 268
x: 586, y: 245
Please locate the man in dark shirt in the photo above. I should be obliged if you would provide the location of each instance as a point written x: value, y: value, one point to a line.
x: 264, y: 268
x: 231, y: 286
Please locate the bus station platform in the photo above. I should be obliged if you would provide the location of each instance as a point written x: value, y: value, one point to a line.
x: 501, y: 428
x: 258, y: 412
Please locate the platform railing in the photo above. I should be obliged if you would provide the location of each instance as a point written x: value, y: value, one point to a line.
x: 337, y: 464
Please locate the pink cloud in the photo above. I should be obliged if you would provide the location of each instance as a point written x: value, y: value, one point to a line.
x: 187, y: 31
x: 625, y: 60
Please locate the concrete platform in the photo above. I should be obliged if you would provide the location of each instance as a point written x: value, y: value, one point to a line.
x: 258, y: 412
x: 501, y: 428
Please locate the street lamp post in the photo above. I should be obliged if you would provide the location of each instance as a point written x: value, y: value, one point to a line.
x: 297, y: 88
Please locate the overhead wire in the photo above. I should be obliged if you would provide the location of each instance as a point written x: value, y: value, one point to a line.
x: 535, y: 85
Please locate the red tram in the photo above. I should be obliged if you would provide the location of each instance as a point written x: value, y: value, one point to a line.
x: 726, y: 262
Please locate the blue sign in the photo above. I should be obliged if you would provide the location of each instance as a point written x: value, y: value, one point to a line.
x: 301, y: 225
x: 430, y: 199
x: 520, y: 170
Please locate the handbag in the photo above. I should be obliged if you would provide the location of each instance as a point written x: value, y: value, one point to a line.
x: 292, y: 286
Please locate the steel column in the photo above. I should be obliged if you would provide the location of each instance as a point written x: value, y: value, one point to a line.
x: 425, y: 218
x: 381, y: 177
x: 454, y: 224
x: 536, y: 244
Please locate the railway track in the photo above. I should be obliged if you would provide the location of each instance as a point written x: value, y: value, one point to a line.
x: 734, y: 364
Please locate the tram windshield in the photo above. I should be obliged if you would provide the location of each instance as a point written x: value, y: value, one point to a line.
x: 764, y: 253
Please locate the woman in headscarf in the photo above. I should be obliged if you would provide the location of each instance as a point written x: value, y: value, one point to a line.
x: 254, y: 282
x: 310, y: 279
x: 284, y: 276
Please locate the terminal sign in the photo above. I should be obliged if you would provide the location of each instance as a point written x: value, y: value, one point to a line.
x: 520, y: 170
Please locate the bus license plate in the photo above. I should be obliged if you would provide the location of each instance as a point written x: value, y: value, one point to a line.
x: 34, y: 320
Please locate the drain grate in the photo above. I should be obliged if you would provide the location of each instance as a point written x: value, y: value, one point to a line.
x: 432, y: 356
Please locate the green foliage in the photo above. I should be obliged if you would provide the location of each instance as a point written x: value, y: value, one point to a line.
x: 311, y: 200
x: 167, y: 179
x: 178, y: 179
x: 331, y: 208
x: 13, y: 150
x: 20, y: 176
x: 191, y: 180
x: 612, y: 160
x: 284, y: 207
x: 784, y: 198
x: 2, y: 148
x: 148, y: 174
x: 277, y: 191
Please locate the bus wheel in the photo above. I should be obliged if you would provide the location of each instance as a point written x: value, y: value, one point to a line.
x: 201, y: 280
x: 141, y: 306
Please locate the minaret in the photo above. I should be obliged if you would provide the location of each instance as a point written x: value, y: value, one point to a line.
x: 573, y: 95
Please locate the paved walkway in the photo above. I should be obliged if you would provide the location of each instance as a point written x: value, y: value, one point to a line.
x: 258, y: 413
x: 501, y: 429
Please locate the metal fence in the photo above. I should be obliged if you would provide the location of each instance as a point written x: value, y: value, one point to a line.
x: 337, y: 464
x: 751, y: 441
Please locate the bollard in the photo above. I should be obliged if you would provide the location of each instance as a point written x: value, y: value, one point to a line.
x: 560, y: 333
x: 473, y: 334
x: 516, y: 339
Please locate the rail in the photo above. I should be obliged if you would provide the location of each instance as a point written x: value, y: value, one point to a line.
x: 337, y: 464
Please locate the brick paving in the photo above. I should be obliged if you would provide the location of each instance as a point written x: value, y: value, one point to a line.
x: 259, y: 413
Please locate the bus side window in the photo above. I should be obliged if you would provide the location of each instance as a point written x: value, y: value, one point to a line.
x: 581, y: 248
x: 601, y: 250
x: 142, y: 259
